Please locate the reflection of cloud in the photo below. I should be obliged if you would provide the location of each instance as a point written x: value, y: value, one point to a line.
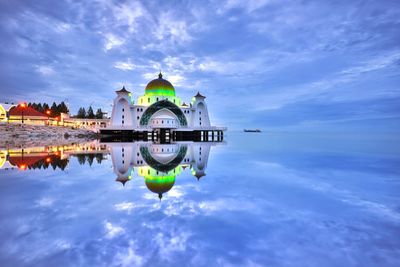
x: 130, y: 257
x: 62, y: 244
x: 113, y: 230
x: 124, y: 206
x: 175, y: 192
x: 169, y: 243
x: 45, y: 202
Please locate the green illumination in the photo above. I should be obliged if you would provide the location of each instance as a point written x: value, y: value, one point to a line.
x: 160, y: 92
x: 159, y: 87
x: 145, y: 119
x: 160, y: 184
x: 163, y: 167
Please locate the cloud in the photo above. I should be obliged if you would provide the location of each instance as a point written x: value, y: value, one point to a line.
x: 45, y: 70
x: 45, y: 202
x: 249, y: 5
x: 112, y: 41
x: 127, y: 65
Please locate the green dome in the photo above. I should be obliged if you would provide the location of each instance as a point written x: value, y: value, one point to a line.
x: 160, y: 184
x: 159, y: 87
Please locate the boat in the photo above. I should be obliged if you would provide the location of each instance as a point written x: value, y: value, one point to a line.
x: 252, y: 130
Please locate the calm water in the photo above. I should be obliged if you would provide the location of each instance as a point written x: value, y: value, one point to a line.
x: 265, y: 200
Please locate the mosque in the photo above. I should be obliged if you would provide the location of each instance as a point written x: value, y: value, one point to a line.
x: 160, y: 115
x: 159, y: 164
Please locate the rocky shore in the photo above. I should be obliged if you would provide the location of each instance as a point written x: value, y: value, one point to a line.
x: 15, y: 135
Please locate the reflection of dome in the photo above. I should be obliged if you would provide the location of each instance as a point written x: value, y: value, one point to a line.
x: 160, y: 184
x: 159, y: 87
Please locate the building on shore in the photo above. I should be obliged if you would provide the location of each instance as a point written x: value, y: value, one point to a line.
x: 22, y: 113
x: 160, y: 114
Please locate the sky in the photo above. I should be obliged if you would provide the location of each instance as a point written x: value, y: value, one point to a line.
x: 272, y: 64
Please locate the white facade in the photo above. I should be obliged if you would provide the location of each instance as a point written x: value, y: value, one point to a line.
x: 158, y: 108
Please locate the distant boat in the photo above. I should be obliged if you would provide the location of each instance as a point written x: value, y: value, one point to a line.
x: 252, y: 131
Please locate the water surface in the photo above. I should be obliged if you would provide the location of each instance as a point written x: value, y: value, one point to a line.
x: 269, y: 199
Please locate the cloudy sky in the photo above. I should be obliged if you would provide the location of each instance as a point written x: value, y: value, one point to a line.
x: 261, y: 63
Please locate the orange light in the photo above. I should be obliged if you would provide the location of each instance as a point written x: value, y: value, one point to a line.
x: 48, y: 160
x: 48, y: 112
x: 23, y: 105
x: 22, y: 167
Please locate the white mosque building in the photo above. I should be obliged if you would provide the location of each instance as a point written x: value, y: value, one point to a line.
x: 159, y: 164
x: 160, y: 114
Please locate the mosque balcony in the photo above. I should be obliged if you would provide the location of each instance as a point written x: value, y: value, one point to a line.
x: 170, y: 123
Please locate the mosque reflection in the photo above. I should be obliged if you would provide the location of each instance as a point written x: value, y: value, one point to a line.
x: 158, y: 164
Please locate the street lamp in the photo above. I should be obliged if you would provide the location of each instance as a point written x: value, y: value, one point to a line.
x: 48, y: 112
x: 23, y: 106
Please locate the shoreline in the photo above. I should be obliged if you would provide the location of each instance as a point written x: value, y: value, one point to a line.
x: 16, y: 135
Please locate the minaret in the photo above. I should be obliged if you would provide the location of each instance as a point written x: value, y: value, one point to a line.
x: 121, y: 115
x: 200, y: 117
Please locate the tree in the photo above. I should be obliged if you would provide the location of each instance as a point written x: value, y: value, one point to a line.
x: 39, y: 108
x: 90, y: 113
x: 45, y: 107
x: 81, y: 113
x: 54, y: 110
x: 99, y: 114
x: 63, y: 107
